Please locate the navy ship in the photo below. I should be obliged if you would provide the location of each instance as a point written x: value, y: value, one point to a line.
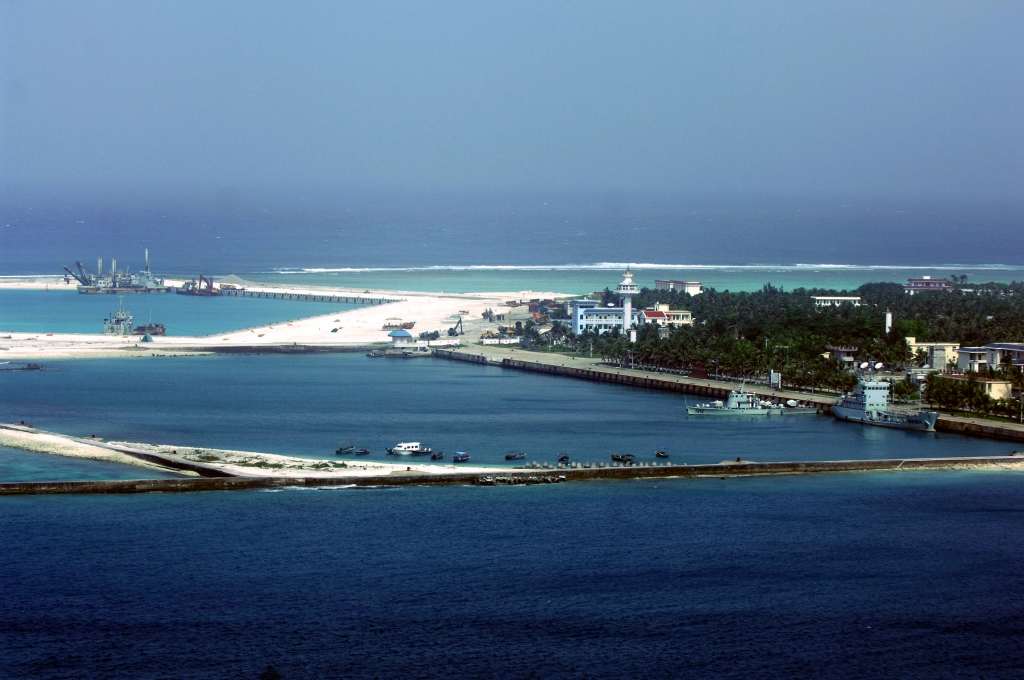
x: 869, y: 404
x: 116, y: 282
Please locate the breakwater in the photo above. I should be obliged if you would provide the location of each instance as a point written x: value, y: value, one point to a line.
x: 506, y: 477
x: 635, y: 378
x: 711, y: 388
x: 309, y: 297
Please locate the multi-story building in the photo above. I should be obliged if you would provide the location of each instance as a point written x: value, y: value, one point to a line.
x: 662, y: 315
x: 688, y: 287
x: 926, y: 284
x: 835, y: 300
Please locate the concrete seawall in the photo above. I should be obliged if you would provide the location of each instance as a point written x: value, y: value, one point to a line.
x: 505, y: 477
x: 715, y: 389
x: 634, y: 378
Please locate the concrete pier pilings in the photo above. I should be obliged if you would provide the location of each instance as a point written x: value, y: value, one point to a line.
x: 309, y: 297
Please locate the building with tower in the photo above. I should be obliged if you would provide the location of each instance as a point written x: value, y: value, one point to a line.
x: 590, y: 315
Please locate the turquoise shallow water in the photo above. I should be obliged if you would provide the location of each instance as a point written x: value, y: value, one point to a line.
x: 63, y: 311
x: 583, y: 280
x: 306, y: 405
x: 27, y: 466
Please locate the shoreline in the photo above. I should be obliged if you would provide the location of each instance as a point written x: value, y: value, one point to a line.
x: 356, y: 328
x: 206, y: 469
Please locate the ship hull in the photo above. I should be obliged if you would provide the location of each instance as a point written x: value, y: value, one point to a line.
x: 701, y: 411
x: 96, y: 290
x: 921, y: 422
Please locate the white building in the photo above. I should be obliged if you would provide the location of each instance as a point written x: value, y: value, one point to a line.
x: 972, y: 359
x: 834, y: 300
x: 664, y: 316
x: 1002, y: 353
x: 589, y: 315
x: 940, y: 354
x: 688, y: 287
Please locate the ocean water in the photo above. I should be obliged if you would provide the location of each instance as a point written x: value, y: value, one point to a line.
x: 28, y: 466
x: 265, y: 231
x: 306, y: 405
x: 582, y: 280
x: 897, y: 575
x: 67, y: 311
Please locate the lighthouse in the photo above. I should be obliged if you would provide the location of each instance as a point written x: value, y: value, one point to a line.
x: 626, y: 290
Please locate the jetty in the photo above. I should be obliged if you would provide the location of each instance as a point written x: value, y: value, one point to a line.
x: 308, y: 297
x: 591, y: 369
x: 504, y: 477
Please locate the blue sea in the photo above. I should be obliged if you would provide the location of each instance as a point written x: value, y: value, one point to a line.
x: 912, y: 575
x: 874, y: 575
x: 306, y: 405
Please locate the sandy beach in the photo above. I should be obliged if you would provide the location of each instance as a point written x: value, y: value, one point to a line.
x: 355, y: 327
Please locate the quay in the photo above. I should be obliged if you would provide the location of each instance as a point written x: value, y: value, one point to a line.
x: 505, y: 477
x: 591, y: 369
x: 308, y: 297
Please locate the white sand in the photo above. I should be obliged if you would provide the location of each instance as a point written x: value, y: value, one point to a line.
x: 65, y: 446
x: 253, y: 464
x: 359, y: 326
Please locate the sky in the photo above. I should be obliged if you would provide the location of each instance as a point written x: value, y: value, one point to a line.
x: 907, y: 99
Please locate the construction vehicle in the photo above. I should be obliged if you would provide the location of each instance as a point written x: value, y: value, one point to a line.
x: 456, y: 329
x: 204, y: 288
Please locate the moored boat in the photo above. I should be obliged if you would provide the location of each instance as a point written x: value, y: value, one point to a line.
x: 346, y: 448
x: 437, y: 456
x: 460, y: 457
x: 563, y: 457
x: 869, y: 404
x: 515, y: 455
x: 660, y: 452
x: 737, y: 403
x: 362, y: 452
x: 409, y: 449
x: 623, y: 458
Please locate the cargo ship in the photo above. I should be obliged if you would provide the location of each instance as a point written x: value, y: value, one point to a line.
x: 116, y: 282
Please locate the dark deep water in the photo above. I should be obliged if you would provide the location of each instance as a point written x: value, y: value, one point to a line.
x: 869, y: 576
x: 239, y: 232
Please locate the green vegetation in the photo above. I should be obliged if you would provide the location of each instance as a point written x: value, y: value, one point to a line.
x: 748, y: 334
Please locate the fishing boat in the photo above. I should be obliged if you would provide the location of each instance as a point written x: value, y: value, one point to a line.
x: 362, y: 452
x: 409, y: 449
x: 869, y: 404
x: 346, y: 448
x: 437, y: 456
x: 515, y: 455
x: 563, y: 457
x: 661, y: 453
x: 623, y: 457
x: 460, y: 457
x: 375, y: 353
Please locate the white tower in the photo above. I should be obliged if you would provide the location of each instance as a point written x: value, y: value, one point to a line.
x: 888, y: 321
x: 627, y: 289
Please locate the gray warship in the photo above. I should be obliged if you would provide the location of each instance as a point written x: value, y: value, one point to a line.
x: 116, y: 282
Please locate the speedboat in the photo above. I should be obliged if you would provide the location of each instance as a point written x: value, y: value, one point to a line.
x: 409, y: 449
x: 437, y: 456
x: 460, y: 457
x: 563, y: 457
x: 515, y: 455
x: 362, y: 452
x: 346, y: 448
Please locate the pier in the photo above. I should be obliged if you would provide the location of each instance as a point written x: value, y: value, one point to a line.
x: 506, y: 477
x: 308, y: 297
x: 589, y: 369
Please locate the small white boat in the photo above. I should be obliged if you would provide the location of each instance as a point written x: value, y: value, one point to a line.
x: 410, y: 449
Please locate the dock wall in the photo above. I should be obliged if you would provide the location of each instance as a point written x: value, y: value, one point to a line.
x: 502, y: 477
x: 668, y: 382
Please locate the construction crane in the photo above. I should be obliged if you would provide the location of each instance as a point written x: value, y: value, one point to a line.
x: 84, y: 279
x: 456, y: 329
